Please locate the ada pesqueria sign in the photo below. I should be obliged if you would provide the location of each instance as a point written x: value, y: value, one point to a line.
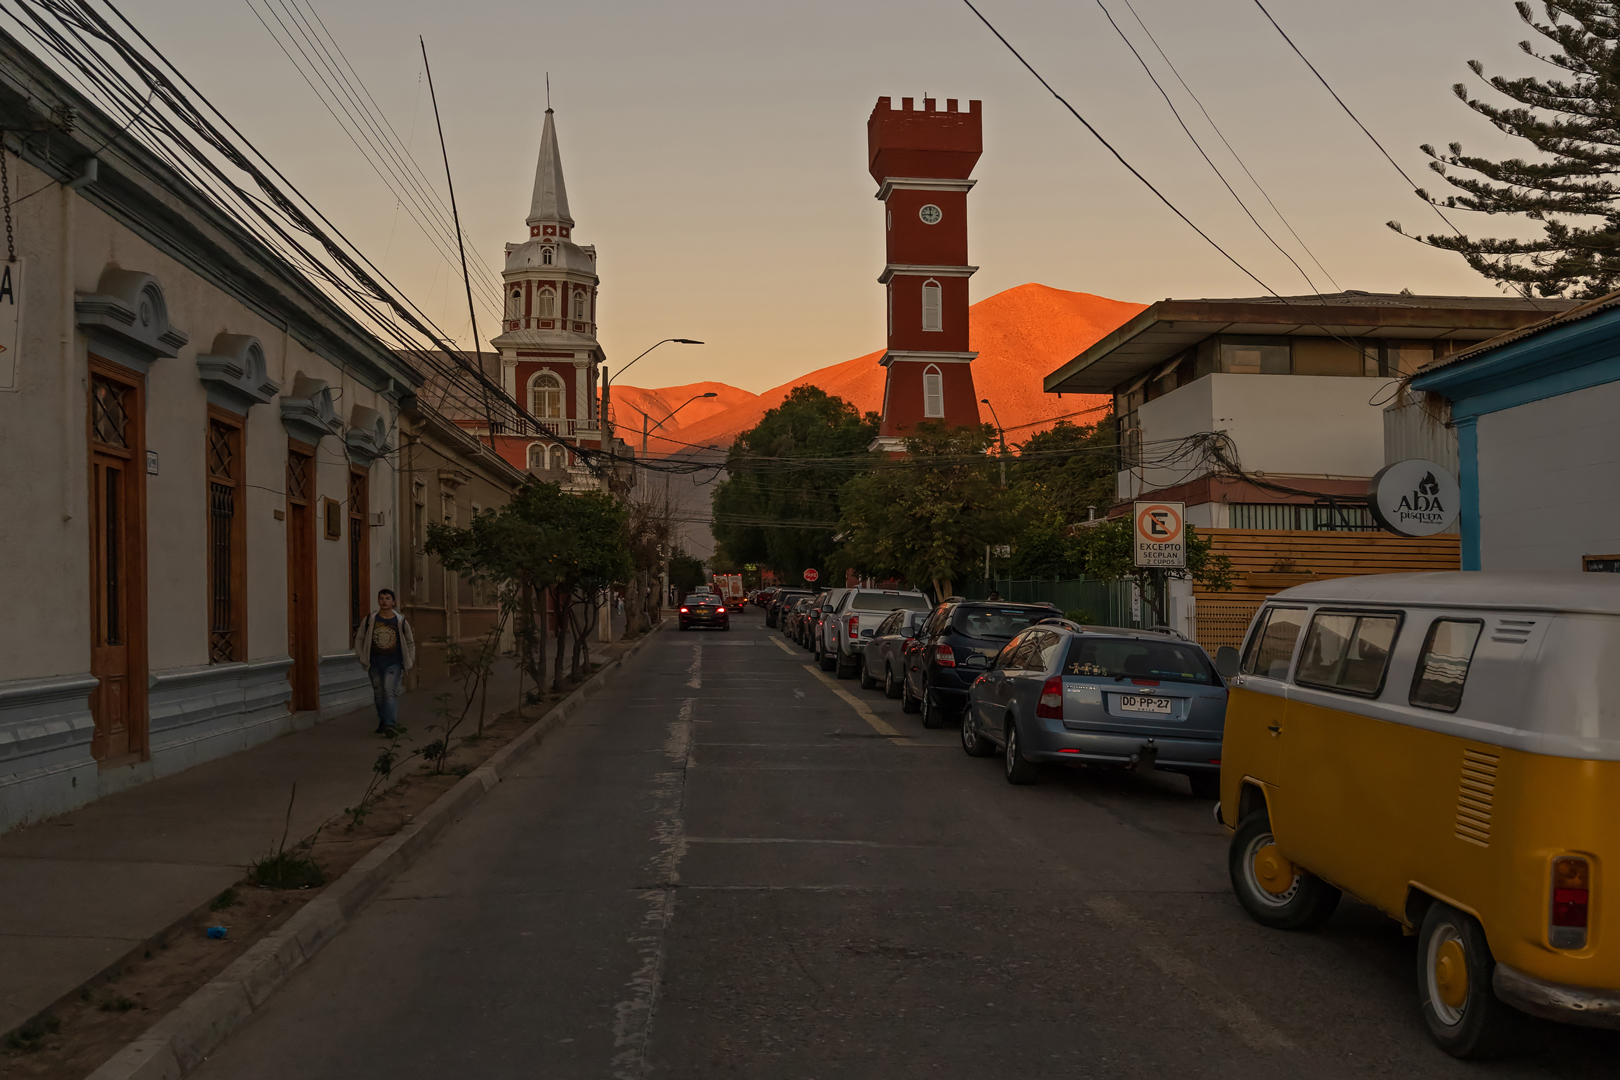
x: 1414, y: 498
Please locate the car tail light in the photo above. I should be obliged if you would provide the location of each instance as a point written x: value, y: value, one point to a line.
x: 1144, y: 682
x: 685, y: 610
x: 719, y: 611
x: 1051, y: 704
x: 1571, y: 894
x: 944, y: 656
x: 854, y: 626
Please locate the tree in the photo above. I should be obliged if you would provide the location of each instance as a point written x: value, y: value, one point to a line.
x: 685, y: 572
x: 765, y: 485
x: 595, y: 555
x: 927, y: 518
x: 1061, y: 476
x: 1107, y: 550
x: 649, y: 529
x: 1574, y: 125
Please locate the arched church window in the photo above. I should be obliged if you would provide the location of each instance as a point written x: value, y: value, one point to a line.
x: 546, y: 396
x: 546, y: 304
x: 931, y: 317
x: 579, y: 305
x: 537, y: 455
x: 933, y: 393
x: 545, y: 256
x: 514, y: 304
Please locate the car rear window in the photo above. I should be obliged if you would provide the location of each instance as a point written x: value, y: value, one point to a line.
x: 1134, y: 658
x: 878, y: 601
x: 996, y: 622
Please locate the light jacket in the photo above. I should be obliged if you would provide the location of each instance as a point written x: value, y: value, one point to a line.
x: 407, y: 641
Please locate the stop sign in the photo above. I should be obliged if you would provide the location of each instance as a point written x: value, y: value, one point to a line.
x: 811, y: 574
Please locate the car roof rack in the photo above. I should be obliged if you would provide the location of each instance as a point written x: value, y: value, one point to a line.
x: 1172, y: 631
x: 1058, y: 620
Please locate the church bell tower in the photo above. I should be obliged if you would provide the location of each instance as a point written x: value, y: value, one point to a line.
x: 921, y: 160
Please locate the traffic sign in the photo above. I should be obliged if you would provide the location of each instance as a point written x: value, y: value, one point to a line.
x: 811, y: 574
x: 1160, y: 529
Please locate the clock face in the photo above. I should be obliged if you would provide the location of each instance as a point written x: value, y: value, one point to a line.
x: 930, y: 214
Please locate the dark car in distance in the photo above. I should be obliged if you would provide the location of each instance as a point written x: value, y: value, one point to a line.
x: 938, y: 669
x: 704, y: 609
x: 779, y: 602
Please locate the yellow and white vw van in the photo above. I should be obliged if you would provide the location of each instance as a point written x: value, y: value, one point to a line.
x: 1445, y: 747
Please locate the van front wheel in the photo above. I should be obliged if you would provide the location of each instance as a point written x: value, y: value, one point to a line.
x: 1274, y: 891
x: 1454, y: 986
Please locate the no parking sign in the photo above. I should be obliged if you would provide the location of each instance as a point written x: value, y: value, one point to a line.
x: 1161, y: 534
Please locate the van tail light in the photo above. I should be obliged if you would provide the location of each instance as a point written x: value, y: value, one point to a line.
x: 1571, y: 896
x: 944, y: 656
x: 1051, y: 704
x: 854, y: 626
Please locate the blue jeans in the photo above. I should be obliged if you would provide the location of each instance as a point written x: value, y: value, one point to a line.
x: 385, y: 692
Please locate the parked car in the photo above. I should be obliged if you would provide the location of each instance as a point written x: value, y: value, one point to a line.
x: 794, y: 616
x: 936, y: 676
x: 1446, y: 748
x: 852, y: 616
x: 882, y: 661
x: 1067, y: 694
x: 810, y: 622
x: 779, y: 603
x: 704, y: 609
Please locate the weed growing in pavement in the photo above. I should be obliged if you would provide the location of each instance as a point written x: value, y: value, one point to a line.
x: 30, y: 1035
x: 283, y: 869
x: 226, y: 899
x: 388, y: 758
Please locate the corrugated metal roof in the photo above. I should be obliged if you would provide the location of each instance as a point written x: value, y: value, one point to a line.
x: 1607, y: 302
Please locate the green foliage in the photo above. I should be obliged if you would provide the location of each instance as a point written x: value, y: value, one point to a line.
x: 1107, y: 550
x: 286, y: 870
x: 1571, y: 124
x: 810, y: 423
x: 685, y: 572
x: 224, y: 900
x: 1068, y: 485
x: 928, y: 519
x: 32, y: 1034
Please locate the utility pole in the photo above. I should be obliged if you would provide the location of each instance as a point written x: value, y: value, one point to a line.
x: 1001, y: 434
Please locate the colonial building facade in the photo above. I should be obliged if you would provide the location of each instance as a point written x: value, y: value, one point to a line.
x: 922, y: 161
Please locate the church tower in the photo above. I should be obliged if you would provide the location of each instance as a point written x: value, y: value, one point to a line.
x: 921, y: 160
x: 549, y: 354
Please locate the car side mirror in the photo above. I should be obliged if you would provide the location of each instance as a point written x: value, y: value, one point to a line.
x: 1227, y: 661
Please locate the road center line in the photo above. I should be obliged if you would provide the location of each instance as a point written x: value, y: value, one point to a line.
x: 862, y: 710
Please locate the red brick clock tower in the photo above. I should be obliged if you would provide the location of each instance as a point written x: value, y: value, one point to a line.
x: 921, y: 160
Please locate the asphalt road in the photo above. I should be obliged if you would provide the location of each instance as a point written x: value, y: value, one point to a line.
x: 722, y: 867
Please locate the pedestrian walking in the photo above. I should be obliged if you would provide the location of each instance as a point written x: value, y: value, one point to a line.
x: 386, y: 648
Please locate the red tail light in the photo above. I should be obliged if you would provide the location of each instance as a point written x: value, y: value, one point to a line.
x: 944, y: 656
x: 855, y: 626
x: 1051, y: 704
x: 685, y: 610
x: 1144, y: 682
x: 719, y: 611
x: 1571, y: 895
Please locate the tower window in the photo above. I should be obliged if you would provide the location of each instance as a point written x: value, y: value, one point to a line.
x: 579, y: 305
x: 546, y: 396
x: 933, y: 393
x: 545, y: 256
x: 931, y: 316
x: 546, y: 304
x: 514, y: 304
x: 537, y: 455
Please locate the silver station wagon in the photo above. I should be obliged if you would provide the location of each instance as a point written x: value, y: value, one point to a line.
x: 1100, y: 695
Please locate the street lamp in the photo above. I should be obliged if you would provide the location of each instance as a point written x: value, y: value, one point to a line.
x: 607, y: 423
x: 645, y: 431
x: 1001, y: 433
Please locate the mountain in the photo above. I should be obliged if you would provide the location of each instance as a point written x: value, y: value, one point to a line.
x: 1021, y: 335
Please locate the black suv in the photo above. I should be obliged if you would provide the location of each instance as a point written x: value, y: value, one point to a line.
x: 937, y: 677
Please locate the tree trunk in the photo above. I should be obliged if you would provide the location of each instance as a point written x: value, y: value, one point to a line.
x: 559, y: 615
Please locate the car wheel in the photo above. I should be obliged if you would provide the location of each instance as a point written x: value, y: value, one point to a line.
x: 891, y: 687
x: 1454, y: 970
x: 1205, y: 785
x: 933, y: 714
x: 845, y: 669
x: 973, y: 743
x: 827, y: 659
x: 907, y: 702
x: 867, y: 682
x: 1019, y: 769
x: 1274, y: 891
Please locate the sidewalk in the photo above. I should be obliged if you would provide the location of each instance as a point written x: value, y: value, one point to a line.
x: 83, y: 890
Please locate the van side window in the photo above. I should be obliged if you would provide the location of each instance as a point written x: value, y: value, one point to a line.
x: 1347, y: 652
x: 1272, y: 646
x: 1442, y: 666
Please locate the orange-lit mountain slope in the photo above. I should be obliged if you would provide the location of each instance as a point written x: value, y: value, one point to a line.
x: 1021, y: 335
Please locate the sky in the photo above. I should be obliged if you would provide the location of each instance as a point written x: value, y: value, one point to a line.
x: 715, y: 149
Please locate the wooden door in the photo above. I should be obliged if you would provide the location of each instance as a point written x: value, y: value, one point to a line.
x: 302, y: 617
x: 117, y: 563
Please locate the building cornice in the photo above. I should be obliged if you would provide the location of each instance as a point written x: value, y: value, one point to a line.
x: 893, y: 270
x: 913, y: 356
x: 891, y: 184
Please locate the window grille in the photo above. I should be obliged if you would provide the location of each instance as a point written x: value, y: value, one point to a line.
x: 1301, y: 518
x: 110, y: 418
x: 224, y: 545
x: 359, y: 549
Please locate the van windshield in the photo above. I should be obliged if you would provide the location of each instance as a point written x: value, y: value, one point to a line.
x: 997, y: 623
x: 1132, y: 658
x: 878, y: 601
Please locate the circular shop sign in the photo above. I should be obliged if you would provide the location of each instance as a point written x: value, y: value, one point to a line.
x: 1414, y: 498
x: 811, y: 575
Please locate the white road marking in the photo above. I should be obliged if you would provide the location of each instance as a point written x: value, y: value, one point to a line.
x: 696, y: 681
x: 862, y: 709
x: 1243, y: 1021
x: 794, y: 840
x: 633, y: 1018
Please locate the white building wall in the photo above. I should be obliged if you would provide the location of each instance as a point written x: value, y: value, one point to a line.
x: 1547, y: 491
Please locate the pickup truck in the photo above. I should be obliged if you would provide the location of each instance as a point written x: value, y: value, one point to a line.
x: 847, y: 626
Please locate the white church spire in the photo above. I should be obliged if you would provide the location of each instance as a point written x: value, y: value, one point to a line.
x: 550, y: 202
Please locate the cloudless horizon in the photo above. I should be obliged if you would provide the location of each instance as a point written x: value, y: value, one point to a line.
x: 714, y: 150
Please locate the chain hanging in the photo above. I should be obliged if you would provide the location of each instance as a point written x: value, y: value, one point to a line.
x: 5, y: 196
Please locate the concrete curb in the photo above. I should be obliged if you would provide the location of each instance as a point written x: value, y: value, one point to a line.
x: 181, y: 1041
